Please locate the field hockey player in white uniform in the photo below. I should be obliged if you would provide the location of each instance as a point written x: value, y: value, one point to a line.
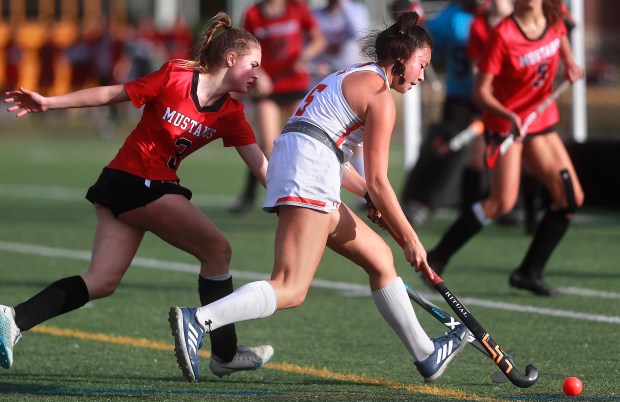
x: 307, y: 168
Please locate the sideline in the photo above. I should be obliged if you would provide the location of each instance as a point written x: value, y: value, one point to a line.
x: 349, y: 289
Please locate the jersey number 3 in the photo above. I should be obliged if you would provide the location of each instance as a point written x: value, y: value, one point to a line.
x: 181, y: 146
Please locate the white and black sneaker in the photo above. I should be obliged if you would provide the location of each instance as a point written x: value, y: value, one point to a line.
x: 446, y: 348
x: 246, y: 358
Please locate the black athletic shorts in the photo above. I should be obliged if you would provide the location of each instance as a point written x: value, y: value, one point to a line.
x: 494, y: 136
x: 121, y: 191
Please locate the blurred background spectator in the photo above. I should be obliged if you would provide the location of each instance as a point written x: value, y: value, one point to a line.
x: 40, y: 39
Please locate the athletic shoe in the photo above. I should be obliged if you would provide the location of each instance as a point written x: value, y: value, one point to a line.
x: 535, y: 285
x: 9, y: 335
x: 416, y: 213
x: 188, y: 338
x: 246, y: 358
x: 446, y: 348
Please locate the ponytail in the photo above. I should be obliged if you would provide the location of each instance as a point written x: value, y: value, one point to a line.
x: 399, y: 41
x: 218, y: 37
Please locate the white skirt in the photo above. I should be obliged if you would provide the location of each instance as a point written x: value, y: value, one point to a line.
x: 302, y: 172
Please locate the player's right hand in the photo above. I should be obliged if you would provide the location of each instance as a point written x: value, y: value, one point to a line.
x: 25, y: 101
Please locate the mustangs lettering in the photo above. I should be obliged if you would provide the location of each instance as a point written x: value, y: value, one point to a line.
x: 183, y: 122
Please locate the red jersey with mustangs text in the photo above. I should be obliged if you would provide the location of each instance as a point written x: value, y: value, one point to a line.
x: 173, y: 125
x: 524, y: 71
x: 479, y: 34
x: 282, y: 40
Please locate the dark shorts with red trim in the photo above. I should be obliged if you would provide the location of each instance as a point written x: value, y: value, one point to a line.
x: 121, y: 191
x: 493, y: 137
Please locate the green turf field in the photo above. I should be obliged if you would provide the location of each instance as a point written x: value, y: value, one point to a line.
x: 335, y: 347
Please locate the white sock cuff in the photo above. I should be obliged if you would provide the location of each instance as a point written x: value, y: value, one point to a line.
x: 266, y: 297
x: 390, y: 291
x: 219, y: 278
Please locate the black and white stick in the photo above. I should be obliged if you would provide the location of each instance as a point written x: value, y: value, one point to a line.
x: 492, y: 154
x: 450, y: 322
x: 501, y: 359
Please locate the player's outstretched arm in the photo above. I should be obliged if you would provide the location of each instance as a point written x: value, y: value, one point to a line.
x: 255, y: 159
x: 25, y: 101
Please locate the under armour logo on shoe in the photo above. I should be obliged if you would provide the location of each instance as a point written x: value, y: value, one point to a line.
x: 208, y: 325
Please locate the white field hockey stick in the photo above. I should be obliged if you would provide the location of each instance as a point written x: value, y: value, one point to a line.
x: 475, y: 129
x: 491, y: 155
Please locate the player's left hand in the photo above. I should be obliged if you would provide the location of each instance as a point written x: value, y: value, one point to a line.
x: 373, y: 213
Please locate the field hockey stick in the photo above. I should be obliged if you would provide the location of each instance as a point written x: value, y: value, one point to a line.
x: 450, y: 322
x: 475, y: 129
x: 491, y: 155
x: 501, y: 359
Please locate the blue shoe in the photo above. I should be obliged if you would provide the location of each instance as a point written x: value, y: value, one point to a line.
x: 9, y: 335
x: 446, y: 348
x: 188, y: 338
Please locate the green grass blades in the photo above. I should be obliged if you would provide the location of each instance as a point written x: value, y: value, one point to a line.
x: 335, y: 347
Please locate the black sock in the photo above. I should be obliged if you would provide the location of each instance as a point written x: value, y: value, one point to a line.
x: 550, y: 231
x: 251, y: 184
x: 531, y: 192
x: 465, y: 227
x: 60, y: 297
x: 223, y: 339
x: 473, y: 187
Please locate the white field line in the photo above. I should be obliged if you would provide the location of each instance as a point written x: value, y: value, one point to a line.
x: 350, y: 289
x: 76, y: 194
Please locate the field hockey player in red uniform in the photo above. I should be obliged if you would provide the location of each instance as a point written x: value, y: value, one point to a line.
x: 187, y: 105
x: 517, y: 73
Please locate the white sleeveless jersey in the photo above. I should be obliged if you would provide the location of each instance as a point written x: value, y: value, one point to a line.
x: 326, y: 107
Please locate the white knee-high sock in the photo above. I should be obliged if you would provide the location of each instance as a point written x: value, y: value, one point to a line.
x: 251, y: 301
x: 395, y: 307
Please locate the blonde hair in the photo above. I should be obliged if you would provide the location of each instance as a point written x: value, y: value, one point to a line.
x: 218, y: 37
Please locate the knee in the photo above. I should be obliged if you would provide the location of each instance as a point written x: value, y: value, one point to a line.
x: 100, y: 287
x: 382, y: 258
x: 574, y: 197
x: 290, y: 298
x: 217, y: 253
x: 498, y: 207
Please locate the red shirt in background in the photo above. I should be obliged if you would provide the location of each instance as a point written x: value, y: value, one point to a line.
x: 282, y: 40
x: 524, y: 71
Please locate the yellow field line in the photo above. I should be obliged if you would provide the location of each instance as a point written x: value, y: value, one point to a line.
x: 285, y: 367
